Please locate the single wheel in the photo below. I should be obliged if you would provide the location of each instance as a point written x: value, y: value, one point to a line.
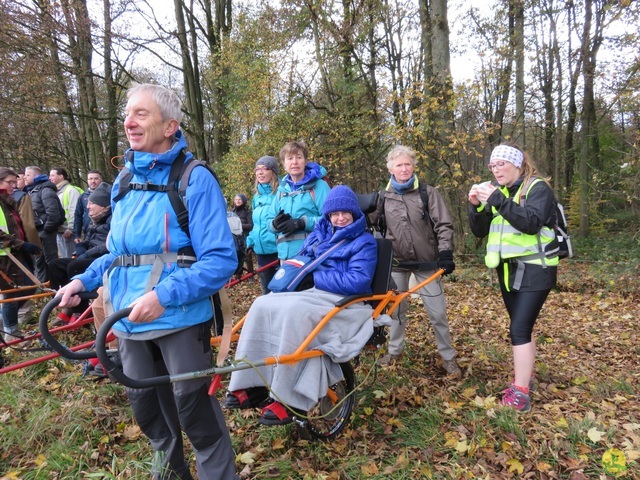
x: 325, y: 419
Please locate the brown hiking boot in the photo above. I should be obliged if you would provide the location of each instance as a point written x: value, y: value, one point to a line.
x: 452, y: 368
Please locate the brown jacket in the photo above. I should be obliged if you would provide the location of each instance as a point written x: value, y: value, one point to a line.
x: 413, y: 238
x: 25, y: 210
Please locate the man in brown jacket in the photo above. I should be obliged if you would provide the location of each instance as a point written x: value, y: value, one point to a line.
x: 421, y: 237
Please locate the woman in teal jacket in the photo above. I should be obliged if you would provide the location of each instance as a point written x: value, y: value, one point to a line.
x: 299, y: 200
x: 261, y: 239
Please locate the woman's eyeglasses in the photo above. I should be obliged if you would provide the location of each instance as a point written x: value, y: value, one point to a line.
x: 340, y: 214
x: 10, y: 182
x: 496, y: 166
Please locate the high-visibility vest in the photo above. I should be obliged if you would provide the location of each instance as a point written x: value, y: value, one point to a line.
x: 4, y: 227
x: 506, y: 242
x: 65, y: 199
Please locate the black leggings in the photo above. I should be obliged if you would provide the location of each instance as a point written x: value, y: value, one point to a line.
x: 523, y: 308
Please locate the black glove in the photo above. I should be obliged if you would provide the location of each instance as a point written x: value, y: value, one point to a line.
x: 280, y: 220
x: 31, y: 248
x: 445, y: 261
x: 293, y: 225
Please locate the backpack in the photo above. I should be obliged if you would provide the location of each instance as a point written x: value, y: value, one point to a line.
x: 422, y: 189
x: 559, y: 223
x: 235, y: 224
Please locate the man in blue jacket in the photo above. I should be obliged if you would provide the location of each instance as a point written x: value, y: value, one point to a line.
x: 169, y: 288
x: 82, y: 222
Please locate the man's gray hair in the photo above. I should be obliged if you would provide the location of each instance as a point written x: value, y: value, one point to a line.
x: 399, y: 151
x: 168, y: 101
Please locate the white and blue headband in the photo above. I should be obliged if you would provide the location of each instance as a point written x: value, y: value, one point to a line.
x: 509, y: 154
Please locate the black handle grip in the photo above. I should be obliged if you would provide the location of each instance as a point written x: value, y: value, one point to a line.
x: 50, y: 339
x: 114, y: 372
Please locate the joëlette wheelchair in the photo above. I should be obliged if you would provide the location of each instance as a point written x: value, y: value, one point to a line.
x: 332, y: 412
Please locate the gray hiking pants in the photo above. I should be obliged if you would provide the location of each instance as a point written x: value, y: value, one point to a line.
x: 161, y: 411
x: 434, y: 302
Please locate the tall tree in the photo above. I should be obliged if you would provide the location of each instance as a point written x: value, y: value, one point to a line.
x: 591, y: 41
x: 516, y: 10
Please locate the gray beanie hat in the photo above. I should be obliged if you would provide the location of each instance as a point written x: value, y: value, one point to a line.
x: 270, y: 162
x: 101, y: 195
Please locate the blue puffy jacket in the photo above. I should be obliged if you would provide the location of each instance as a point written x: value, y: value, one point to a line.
x: 144, y: 222
x: 349, y: 269
x: 303, y: 199
x: 261, y: 238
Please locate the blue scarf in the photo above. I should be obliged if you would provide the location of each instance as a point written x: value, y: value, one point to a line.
x: 402, y: 188
x: 312, y: 172
x: 264, y: 188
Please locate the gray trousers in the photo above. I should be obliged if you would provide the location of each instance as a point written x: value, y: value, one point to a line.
x: 434, y: 302
x: 161, y: 411
x: 66, y: 246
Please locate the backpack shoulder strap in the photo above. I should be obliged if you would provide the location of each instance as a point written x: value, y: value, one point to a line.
x: 424, y: 195
x: 422, y: 188
x: 179, y: 177
x: 175, y: 176
x: 382, y: 219
x: 524, y: 189
x: 124, y: 184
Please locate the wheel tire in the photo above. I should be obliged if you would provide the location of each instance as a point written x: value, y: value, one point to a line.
x: 331, y: 424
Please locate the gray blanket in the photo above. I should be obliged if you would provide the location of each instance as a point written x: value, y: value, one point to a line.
x: 278, y: 323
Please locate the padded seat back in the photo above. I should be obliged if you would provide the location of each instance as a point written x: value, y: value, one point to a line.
x: 382, y: 275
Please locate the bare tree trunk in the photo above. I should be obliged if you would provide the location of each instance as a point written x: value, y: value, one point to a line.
x: 217, y: 25
x: 517, y: 9
x: 217, y: 30
x: 590, y: 145
x: 78, y: 26
x: 572, y: 110
x: 112, y: 100
x: 393, y: 50
x: 559, y: 186
x: 191, y: 77
x: 64, y: 104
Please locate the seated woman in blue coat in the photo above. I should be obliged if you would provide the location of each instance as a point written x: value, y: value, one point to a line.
x: 278, y: 323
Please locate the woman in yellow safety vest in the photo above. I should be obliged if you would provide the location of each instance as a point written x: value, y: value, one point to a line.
x: 13, y: 241
x: 521, y: 246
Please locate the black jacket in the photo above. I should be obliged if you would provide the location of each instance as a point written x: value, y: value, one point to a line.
x: 95, y: 243
x: 245, y: 216
x: 47, y: 209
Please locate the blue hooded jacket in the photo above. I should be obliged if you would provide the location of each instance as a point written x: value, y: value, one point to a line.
x: 349, y: 269
x: 261, y: 238
x: 303, y: 199
x: 144, y: 222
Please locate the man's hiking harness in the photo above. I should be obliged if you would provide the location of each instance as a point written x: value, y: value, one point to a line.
x: 176, y: 189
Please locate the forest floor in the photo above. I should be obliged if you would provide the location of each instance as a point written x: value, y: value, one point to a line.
x: 410, y: 421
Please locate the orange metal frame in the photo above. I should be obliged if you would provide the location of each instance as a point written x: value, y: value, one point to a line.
x: 387, y: 302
